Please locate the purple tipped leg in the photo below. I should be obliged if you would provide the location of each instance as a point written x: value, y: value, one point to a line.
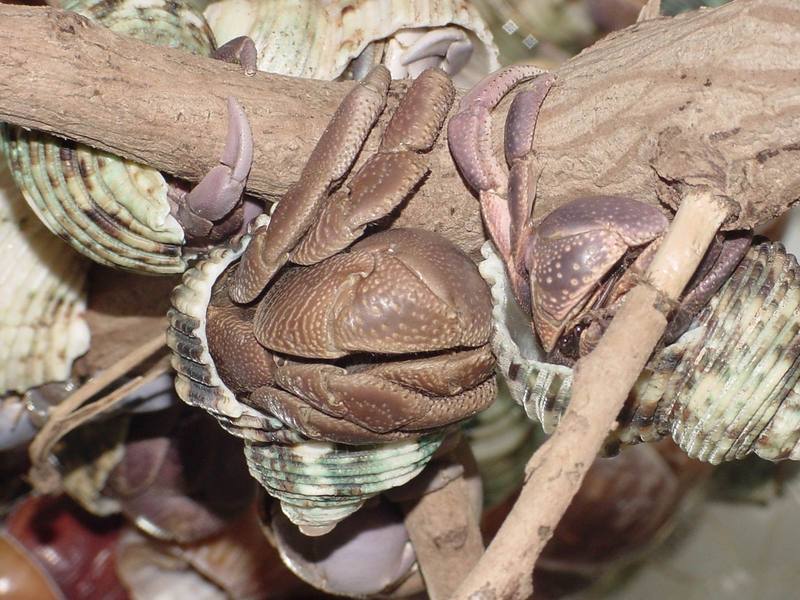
x: 220, y: 190
x: 241, y: 51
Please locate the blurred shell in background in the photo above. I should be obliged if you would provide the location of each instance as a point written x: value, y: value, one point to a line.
x: 502, y: 439
x: 343, y: 39
x: 42, y: 305
x: 58, y: 552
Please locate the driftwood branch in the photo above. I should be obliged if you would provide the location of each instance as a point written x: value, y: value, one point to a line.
x: 710, y: 99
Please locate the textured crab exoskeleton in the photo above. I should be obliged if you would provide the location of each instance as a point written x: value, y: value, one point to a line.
x: 384, y: 345
x: 567, y: 273
x: 119, y: 213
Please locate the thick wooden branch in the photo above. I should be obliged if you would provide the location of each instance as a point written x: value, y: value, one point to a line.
x: 710, y: 98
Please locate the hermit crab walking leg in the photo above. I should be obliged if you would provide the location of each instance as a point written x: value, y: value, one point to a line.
x: 222, y: 187
x: 329, y: 162
x: 240, y: 50
x: 304, y: 229
x: 469, y: 136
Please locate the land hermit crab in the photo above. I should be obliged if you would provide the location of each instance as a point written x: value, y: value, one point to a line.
x: 117, y: 212
x: 720, y: 385
x: 401, y: 320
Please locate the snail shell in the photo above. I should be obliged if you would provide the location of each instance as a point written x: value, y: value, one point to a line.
x: 318, y: 483
x: 320, y: 39
x: 197, y: 381
x: 727, y: 387
x: 109, y: 209
x: 502, y: 440
x: 42, y: 326
x: 321, y: 483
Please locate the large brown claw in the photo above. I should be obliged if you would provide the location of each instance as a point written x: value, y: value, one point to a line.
x: 398, y: 291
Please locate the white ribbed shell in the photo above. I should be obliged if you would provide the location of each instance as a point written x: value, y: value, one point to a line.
x: 43, y: 299
x: 317, y: 39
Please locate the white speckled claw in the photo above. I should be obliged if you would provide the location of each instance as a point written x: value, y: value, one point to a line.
x: 222, y: 187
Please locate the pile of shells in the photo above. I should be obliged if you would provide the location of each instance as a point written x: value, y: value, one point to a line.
x: 725, y: 388
x: 111, y: 210
x: 42, y: 326
x: 318, y: 483
x: 328, y: 40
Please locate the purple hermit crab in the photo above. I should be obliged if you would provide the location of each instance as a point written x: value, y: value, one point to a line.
x: 342, y: 365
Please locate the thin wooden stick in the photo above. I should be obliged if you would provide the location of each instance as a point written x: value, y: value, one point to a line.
x: 61, y: 420
x: 601, y: 385
x: 444, y: 528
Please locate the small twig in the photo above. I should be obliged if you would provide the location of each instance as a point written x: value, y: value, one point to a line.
x: 601, y: 385
x: 444, y: 528
x: 651, y: 10
x: 68, y: 414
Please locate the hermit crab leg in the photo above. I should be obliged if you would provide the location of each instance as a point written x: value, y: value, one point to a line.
x: 731, y: 254
x: 220, y: 190
x: 379, y: 404
x: 469, y: 136
x: 240, y: 50
x: 448, y: 43
x: 315, y: 424
x: 329, y: 162
x: 388, y: 176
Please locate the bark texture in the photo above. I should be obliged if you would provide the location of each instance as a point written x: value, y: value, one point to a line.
x: 709, y: 98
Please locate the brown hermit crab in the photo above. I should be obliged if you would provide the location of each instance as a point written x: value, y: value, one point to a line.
x: 340, y: 365
x: 571, y: 271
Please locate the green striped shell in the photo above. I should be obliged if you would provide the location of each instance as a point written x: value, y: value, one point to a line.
x: 112, y: 210
x: 43, y: 299
x: 726, y: 388
x: 502, y: 440
x: 320, y: 483
x: 317, y: 483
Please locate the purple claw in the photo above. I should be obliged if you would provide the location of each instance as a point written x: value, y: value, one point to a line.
x: 222, y: 187
x: 522, y: 116
x: 707, y: 281
x: 469, y: 137
x: 241, y: 51
x: 449, y: 46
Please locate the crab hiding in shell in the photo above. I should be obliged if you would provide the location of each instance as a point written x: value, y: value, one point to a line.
x: 572, y: 270
x: 119, y: 213
x: 724, y: 381
x: 341, y: 365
